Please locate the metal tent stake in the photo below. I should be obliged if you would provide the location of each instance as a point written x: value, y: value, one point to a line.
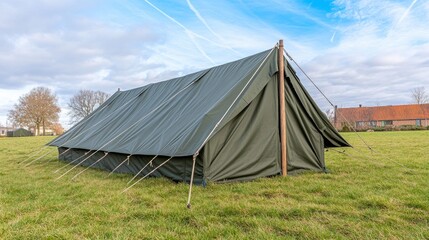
x: 282, y: 108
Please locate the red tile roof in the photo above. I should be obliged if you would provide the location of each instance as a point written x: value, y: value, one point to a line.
x: 379, y: 113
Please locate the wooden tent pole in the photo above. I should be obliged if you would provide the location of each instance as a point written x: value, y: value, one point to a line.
x: 282, y: 108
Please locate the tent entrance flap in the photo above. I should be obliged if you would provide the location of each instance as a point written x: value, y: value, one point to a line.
x: 248, y: 146
x: 309, y: 131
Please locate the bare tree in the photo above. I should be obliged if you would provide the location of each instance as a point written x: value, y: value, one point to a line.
x: 84, y: 103
x: 38, y: 108
x: 57, y: 128
x: 419, y: 95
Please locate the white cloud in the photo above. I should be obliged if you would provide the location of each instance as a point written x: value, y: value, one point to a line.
x: 374, y: 63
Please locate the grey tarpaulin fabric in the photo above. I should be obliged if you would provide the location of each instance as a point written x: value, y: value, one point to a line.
x: 174, y: 118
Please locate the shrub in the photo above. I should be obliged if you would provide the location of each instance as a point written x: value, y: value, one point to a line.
x: 345, y: 129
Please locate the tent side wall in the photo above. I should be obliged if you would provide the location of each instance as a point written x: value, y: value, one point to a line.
x: 248, y: 146
x: 305, y: 150
x: 177, y: 169
x: 308, y: 129
x: 331, y: 137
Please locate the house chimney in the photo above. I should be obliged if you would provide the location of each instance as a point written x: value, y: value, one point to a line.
x: 360, y: 105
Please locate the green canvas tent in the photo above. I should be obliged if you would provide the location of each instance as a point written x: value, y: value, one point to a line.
x: 227, y: 117
x: 20, y: 132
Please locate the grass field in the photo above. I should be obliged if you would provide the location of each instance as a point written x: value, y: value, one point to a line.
x: 384, y: 194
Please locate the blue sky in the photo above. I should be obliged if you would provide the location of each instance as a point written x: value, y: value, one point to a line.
x: 358, y: 52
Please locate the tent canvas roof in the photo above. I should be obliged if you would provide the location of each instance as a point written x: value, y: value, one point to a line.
x: 169, y: 118
x: 176, y: 117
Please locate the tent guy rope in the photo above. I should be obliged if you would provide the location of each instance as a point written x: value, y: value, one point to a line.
x: 75, y: 176
x: 128, y: 188
x: 327, y: 99
x: 75, y: 166
x: 126, y: 159
x: 32, y: 154
x: 141, y: 170
x: 28, y: 164
x: 69, y: 163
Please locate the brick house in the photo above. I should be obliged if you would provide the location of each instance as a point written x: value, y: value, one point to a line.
x: 381, y: 116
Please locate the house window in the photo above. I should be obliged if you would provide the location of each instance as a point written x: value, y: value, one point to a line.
x: 2, y: 132
x: 418, y: 122
x: 373, y: 123
x: 386, y: 123
x: 360, y: 124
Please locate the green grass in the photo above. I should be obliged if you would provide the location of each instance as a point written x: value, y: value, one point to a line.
x: 367, y: 195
